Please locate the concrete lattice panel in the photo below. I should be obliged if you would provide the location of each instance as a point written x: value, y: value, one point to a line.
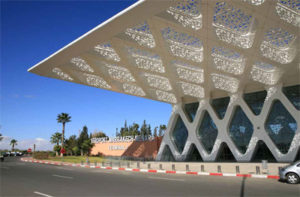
x: 192, y: 51
x: 258, y: 122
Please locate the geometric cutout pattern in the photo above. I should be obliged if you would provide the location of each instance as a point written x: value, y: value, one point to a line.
x: 233, y: 25
x: 281, y: 126
x: 146, y: 60
x: 165, y: 96
x: 96, y: 81
x: 133, y: 89
x: 183, y: 45
x: 106, y: 51
x: 265, y: 73
x: 187, y: 13
x: 192, y: 90
x: 188, y: 72
x: 81, y: 64
x: 288, y: 10
x: 61, y: 74
x: 187, y: 42
x: 207, y: 132
x: 224, y: 82
x: 141, y: 34
x: 279, y: 46
x: 228, y: 61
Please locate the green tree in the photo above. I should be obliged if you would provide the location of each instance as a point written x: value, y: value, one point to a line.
x: 135, y: 129
x: 162, y: 129
x: 82, y: 137
x: 70, y: 144
x: 155, y: 132
x: 86, y: 146
x: 148, y: 132
x: 56, y: 138
x: 56, y: 148
x: 76, y: 150
x: 98, y: 134
x: 63, y: 118
x: 144, y: 129
x: 1, y: 137
x: 13, y: 143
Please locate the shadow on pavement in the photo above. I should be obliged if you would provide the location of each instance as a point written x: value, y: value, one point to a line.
x: 243, y: 187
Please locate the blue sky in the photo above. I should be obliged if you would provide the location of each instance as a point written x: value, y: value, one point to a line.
x: 30, y: 32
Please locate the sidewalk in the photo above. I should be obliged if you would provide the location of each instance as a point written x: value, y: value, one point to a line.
x: 201, y: 168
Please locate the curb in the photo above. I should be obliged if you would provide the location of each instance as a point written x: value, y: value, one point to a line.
x: 154, y: 171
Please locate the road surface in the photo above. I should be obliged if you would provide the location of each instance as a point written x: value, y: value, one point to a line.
x: 19, y: 178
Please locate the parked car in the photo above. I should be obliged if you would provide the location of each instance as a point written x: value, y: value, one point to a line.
x: 5, y: 154
x: 291, y: 173
x: 1, y: 157
x: 19, y: 153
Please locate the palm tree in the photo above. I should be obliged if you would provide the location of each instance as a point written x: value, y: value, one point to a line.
x: 63, y: 118
x: 13, y: 142
x: 162, y: 129
x: 56, y: 139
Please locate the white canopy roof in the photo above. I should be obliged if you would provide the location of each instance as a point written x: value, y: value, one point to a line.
x: 183, y: 51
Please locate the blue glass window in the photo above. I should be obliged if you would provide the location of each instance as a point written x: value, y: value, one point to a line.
x: 194, y: 154
x: 208, y: 132
x: 225, y: 154
x: 262, y: 152
x: 281, y: 126
x: 180, y: 134
x: 293, y: 94
x: 191, y: 110
x: 255, y: 101
x: 240, y: 130
x: 167, y: 154
x: 220, y: 106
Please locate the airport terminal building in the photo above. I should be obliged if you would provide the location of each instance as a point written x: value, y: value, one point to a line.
x: 230, y: 69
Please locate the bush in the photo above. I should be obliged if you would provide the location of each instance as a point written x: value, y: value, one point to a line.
x: 52, y: 154
x: 41, y: 155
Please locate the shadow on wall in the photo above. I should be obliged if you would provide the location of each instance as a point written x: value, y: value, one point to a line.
x: 143, y: 149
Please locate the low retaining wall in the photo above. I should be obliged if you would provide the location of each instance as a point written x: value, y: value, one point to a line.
x: 165, y: 168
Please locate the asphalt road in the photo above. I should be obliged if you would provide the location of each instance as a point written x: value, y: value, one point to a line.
x: 32, y: 179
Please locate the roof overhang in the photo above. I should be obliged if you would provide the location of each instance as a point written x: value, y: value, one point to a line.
x: 183, y: 51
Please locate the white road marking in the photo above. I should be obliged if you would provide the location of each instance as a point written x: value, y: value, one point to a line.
x: 62, y: 168
x: 3, y: 167
x: 60, y: 176
x: 166, y: 179
x: 106, y: 172
x: 42, y: 194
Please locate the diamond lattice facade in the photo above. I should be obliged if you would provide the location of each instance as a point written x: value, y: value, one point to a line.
x: 230, y: 69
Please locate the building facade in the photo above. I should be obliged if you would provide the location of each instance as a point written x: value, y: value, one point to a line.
x: 229, y: 68
x: 249, y: 127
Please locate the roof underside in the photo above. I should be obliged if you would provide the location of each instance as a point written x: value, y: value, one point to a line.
x: 184, y: 51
